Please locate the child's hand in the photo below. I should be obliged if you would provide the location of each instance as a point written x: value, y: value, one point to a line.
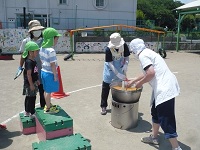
x: 18, y: 73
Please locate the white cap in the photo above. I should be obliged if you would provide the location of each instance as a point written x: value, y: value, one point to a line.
x: 116, y: 41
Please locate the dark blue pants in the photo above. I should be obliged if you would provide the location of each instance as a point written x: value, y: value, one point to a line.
x: 41, y: 92
x: 30, y: 104
x: 164, y: 115
x: 104, y: 94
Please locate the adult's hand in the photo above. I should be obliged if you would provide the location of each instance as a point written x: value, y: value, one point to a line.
x: 121, y: 76
x: 124, y: 68
x: 138, y: 85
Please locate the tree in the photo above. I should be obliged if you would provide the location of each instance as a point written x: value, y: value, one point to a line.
x: 140, y: 15
x: 162, y: 11
x: 188, y: 23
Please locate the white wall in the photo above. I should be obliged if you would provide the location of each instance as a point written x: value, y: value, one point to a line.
x: 115, y: 9
x: 11, y: 39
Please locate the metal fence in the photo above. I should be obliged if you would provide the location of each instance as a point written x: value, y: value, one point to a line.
x: 75, y: 23
x: 191, y: 37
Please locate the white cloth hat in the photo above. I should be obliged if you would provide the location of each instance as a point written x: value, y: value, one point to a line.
x: 34, y: 25
x: 116, y: 41
x: 137, y: 45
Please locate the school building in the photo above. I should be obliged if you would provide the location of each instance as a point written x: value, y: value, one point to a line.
x: 67, y: 14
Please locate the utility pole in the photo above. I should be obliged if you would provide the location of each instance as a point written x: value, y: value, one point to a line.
x: 24, y: 13
x: 76, y: 15
x: 47, y: 5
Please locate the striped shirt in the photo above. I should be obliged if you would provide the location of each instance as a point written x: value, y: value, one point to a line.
x: 47, y: 56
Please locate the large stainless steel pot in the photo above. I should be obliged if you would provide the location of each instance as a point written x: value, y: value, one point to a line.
x: 124, y: 116
x: 124, y: 96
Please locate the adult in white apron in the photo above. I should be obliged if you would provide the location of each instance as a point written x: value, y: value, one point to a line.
x: 115, y: 66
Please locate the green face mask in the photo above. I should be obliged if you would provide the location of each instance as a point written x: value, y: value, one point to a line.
x: 48, y: 35
x: 30, y: 46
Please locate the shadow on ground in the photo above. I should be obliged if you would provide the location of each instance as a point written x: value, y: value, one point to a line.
x: 6, y: 138
x: 145, y: 126
x: 194, y: 52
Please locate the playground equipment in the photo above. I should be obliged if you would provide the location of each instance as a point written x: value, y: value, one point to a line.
x: 162, y: 52
x: 119, y: 28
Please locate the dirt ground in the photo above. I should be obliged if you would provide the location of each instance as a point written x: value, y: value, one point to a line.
x: 82, y: 79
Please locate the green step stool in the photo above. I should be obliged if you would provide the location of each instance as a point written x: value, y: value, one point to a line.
x: 72, y: 142
x: 27, y: 124
x: 49, y: 126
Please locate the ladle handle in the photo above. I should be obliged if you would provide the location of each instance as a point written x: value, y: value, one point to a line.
x: 123, y: 85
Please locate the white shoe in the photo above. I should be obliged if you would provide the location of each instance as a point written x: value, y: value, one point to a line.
x: 150, y: 140
x: 32, y: 116
x: 26, y: 114
x: 179, y: 148
x: 103, y: 111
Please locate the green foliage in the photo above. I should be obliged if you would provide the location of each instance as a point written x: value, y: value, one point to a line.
x: 170, y: 34
x: 149, y: 24
x: 160, y: 10
x: 145, y: 7
x: 188, y: 23
x: 159, y: 28
x: 124, y: 33
x: 107, y: 33
x: 194, y: 35
x: 98, y: 32
x: 140, y: 15
x: 145, y: 23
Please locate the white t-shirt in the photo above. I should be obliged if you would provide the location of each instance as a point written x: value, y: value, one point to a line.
x: 22, y: 46
x: 164, y: 84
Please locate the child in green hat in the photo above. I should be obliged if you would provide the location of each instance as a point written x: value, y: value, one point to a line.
x: 31, y: 80
x: 49, y: 74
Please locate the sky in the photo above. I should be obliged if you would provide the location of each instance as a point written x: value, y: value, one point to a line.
x: 186, y: 1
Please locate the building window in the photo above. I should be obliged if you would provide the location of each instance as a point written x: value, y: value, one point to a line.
x: 62, y: 1
x: 100, y: 4
x: 40, y: 17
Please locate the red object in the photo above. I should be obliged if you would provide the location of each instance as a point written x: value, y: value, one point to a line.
x: 6, y: 57
x: 60, y: 93
x: 3, y: 126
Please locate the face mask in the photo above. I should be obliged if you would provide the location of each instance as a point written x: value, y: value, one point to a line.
x: 37, y: 33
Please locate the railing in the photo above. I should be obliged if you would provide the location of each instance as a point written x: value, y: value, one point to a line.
x: 74, y: 23
x: 118, y: 28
